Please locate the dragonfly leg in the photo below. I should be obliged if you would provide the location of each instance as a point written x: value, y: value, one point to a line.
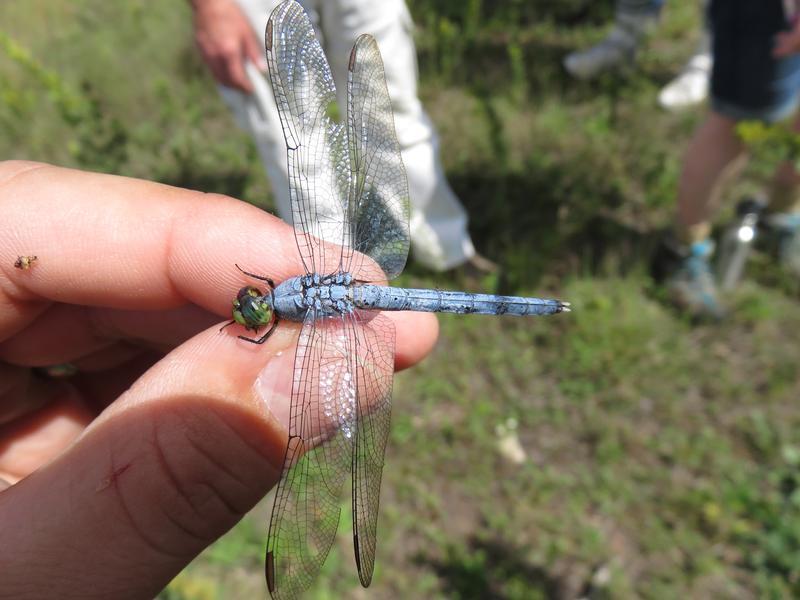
x: 259, y: 277
x: 264, y: 337
x: 228, y: 324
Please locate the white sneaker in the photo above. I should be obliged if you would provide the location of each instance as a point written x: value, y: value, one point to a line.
x: 690, y: 87
x: 613, y: 51
x: 617, y: 49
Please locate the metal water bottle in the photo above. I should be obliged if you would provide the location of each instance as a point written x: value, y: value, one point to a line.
x: 737, y: 241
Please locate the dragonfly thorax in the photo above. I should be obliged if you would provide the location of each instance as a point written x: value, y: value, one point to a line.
x: 328, y: 295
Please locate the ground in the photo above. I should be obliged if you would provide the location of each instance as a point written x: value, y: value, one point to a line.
x: 617, y: 451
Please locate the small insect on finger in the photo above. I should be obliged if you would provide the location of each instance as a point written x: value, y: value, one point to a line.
x: 25, y: 262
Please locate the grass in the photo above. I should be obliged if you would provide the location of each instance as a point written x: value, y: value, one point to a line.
x: 661, y: 458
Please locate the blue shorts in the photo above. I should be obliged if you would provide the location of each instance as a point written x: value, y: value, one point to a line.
x: 747, y: 83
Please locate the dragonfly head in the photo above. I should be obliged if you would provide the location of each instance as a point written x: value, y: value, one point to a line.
x: 252, y: 309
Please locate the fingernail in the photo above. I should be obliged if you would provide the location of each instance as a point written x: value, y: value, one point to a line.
x: 274, y: 386
x: 262, y: 65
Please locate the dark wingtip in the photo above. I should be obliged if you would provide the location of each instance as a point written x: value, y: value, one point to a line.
x: 358, y: 556
x: 270, y: 570
x: 363, y: 576
x: 352, y: 63
x: 268, y: 37
x: 362, y: 39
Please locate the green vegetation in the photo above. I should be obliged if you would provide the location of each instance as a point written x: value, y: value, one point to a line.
x: 775, y: 141
x: 662, y: 459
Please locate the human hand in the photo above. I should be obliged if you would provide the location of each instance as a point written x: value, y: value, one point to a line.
x: 131, y: 283
x: 226, y: 40
x: 787, y: 42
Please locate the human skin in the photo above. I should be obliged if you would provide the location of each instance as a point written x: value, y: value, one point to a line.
x: 117, y: 477
x: 716, y: 154
x: 226, y: 41
x: 787, y: 42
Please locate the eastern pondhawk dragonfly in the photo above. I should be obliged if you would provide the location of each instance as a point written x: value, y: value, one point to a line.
x: 350, y: 206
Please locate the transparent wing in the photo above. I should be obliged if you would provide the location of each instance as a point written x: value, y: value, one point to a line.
x: 374, y: 375
x: 378, y: 206
x: 339, y: 423
x: 316, y: 145
x: 318, y: 459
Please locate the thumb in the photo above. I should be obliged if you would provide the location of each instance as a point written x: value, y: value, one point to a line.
x: 173, y: 464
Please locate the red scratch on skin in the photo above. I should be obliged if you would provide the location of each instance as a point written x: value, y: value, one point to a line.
x: 105, y: 483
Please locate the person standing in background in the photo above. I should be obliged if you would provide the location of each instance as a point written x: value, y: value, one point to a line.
x: 756, y: 76
x: 230, y: 36
x: 634, y: 19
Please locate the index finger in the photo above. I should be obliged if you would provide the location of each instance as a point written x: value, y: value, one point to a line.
x: 104, y: 240
x: 238, y: 77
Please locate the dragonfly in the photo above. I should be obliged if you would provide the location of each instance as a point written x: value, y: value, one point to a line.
x: 350, y: 207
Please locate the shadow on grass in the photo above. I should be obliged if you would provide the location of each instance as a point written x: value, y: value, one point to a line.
x: 491, y: 569
x: 519, y: 222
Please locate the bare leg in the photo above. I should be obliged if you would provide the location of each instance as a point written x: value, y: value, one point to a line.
x: 784, y: 193
x: 783, y: 213
x: 715, y: 154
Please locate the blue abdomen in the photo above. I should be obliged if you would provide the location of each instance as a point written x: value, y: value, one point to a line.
x: 374, y: 297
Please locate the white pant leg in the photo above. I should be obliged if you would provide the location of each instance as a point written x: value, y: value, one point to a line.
x: 439, y: 235
x: 258, y: 114
x: 438, y: 221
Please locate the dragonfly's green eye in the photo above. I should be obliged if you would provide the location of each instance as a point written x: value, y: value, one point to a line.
x: 251, y: 309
